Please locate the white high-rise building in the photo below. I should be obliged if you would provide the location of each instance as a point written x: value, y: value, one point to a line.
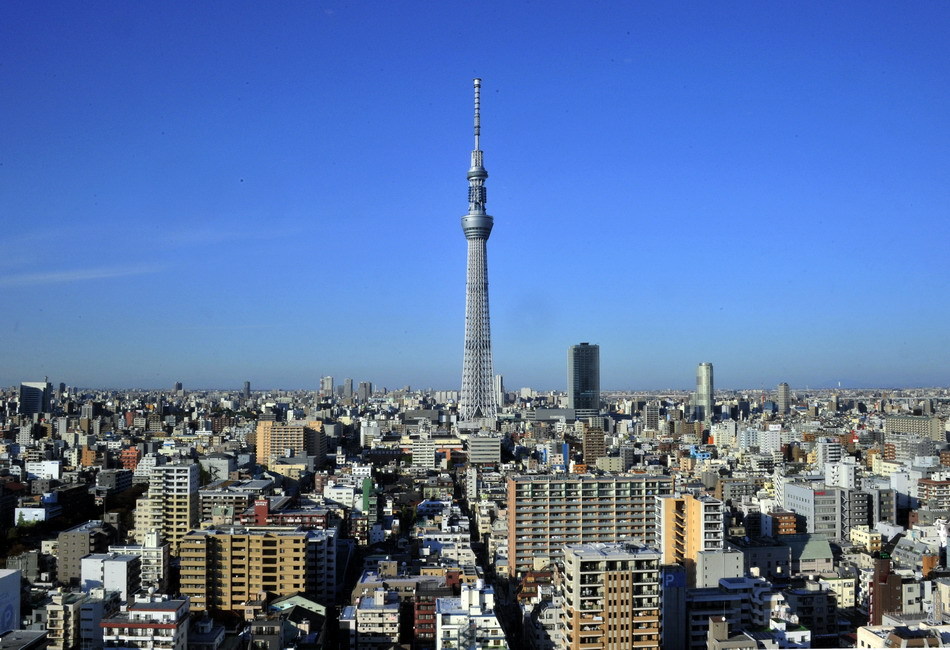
x: 499, y: 387
x: 369, y: 432
x: 770, y: 440
x: 828, y: 451
x: 155, y: 559
x: 112, y: 572
x: 423, y: 451
x: 468, y: 621
x: 843, y: 474
x: 170, y: 505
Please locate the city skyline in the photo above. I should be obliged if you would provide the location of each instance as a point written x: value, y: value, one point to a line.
x: 208, y: 195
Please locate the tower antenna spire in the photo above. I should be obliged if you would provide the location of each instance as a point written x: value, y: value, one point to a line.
x: 478, y: 116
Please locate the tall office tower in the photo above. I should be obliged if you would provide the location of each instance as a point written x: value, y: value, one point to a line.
x: 35, y: 397
x: 348, y: 388
x: 247, y: 390
x: 583, y: 380
x: 170, y: 506
x: 784, y: 398
x: 611, y: 596
x: 478, y: 397
x: 178, y: 386
x: 221, y: 569
x: 686, y: 526
x: 499, y: 388
x: 545, y: 512
x: 326, y: 386
x: 365, y: 391
x: 703, y: 406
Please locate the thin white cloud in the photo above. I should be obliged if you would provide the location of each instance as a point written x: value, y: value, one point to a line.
x: 76, y: 275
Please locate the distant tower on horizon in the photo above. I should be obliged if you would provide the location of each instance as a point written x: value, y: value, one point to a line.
x: 784, y: 398
x: 703, y: 406
x: 583, y: 380
x: 499, y: 388
x: 478, y: 396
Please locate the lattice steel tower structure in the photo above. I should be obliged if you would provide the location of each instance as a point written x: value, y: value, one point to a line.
x: 478, y: 397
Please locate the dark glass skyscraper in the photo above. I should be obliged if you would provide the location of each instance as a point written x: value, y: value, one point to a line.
x: 583, y: 379
x: 35, y: 397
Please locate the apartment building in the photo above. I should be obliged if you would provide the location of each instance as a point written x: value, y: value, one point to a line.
x: 611, y: 596
x: 687, y: 525
x: 933, y: 494
x: 151, y: 622
x: 925, y: 426
x: 292, y: 439
x: 223, y: 568
x: 78, y: 542
x: 547, y: 512
x: 170, y: 505
x: 469, y: 621
x: 72, y: 618
x: 155, y: 557
x: 112, y: 572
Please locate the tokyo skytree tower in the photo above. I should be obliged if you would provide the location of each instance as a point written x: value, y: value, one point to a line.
x: 478, y: 397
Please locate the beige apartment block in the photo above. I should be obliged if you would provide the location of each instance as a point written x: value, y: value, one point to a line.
x: 170, y: 506
x: 299, y: 438
x: 611, y: 597
x: 687, y: 525
x: 223, y: 568
x: 546, y: 512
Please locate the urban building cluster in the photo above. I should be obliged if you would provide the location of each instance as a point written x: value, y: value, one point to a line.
x: 362, y: 518
x: 380, y: 519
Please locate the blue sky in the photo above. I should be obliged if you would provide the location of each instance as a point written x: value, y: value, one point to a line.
x: 213, y: 192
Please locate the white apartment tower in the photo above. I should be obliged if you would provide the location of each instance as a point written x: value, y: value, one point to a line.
x: 170, y: 505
